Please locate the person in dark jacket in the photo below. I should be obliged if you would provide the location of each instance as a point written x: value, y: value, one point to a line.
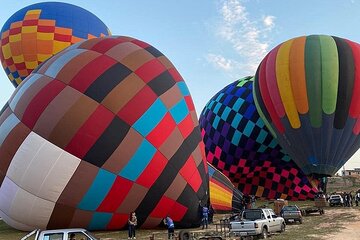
x: 132, y: 222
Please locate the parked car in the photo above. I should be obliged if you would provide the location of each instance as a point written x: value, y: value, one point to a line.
x: 60, y: 234
x: 336, y: 200
x: 291, y: 213
x: 257, y: 222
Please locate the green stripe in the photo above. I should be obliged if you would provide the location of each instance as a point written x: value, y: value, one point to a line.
x: 330, y: 73
x: 244, y: 80
x: 261, y: 114
x: 313, y: 78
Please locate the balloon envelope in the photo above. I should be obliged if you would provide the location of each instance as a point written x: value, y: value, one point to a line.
x: 306, y: 90
x: 224, y: 197
x: 238, y: 144
x: 104, y: 128
x: 35, y: 33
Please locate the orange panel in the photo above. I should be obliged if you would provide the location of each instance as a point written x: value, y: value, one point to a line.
x: 45, y: 22
x: 75, y: 39
x: 31, y: 16
x: 90, y: 36
x: 16, y: 24
x: 44, y: 47
x: 30, y: 57
x: 28, y: 36
x: 5, y: 34
x: 65, y: 31
x: 23, y: 72
x: 15, y: 48
x: 29, y: 47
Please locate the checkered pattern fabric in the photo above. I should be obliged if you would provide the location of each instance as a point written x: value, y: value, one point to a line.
x: 121, y: 107
x: 238, y: 144
x: 37, y: 32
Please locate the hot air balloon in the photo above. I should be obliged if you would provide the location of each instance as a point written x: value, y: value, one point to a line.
x: 224, y: 197
x: 104, y: 128
x: 238, y: 144
x: 35, y: 33
x: 306, y: 91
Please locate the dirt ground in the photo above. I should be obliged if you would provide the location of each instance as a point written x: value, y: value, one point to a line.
x: 351, y: 230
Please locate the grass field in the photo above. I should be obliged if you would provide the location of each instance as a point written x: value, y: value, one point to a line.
x: 313, y: 226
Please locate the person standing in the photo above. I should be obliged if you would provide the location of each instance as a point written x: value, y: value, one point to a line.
x: 132, y: 222
x: 205, y: 217
x: 170, y: 226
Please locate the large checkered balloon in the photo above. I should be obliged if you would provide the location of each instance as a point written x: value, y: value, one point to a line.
x: 238, y: 144
x: 37, y: 32
x: 101, y: 129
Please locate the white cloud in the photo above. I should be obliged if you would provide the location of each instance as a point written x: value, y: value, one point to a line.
x: 220, y: 62
x: 269, y: 21
x: 247, y: 38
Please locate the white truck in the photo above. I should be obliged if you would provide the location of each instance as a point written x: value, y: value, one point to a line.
x: 257, y: 222
x: 60, y: 234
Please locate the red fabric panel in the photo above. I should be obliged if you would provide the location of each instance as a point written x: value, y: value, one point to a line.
x: 265, y: 95
x: 186, y: 126
x: 136, y: 107
x: 62, y: 37
x: 175, y: 74
x: 162, y: 131
x: 354, y: 110
x: 178, y: 212
x: 150, y: 70
x: 88, y: 74
x: 39, y: 103
x: 116, y: 195
x: 89, y: 132
x: 140, y: 43
x: 189, y: 103
x: 14, y: 31
x: 106, y: 44
x: 118, y: 221
x: 32, y: 22
x: 46, y: 29
x: 191, y: 174
x: 163, y: 207
x: 153, y: 170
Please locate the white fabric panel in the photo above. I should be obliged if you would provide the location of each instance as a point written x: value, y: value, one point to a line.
x: 42, y: 168
x: 27, y: 208
x: 15, y: 224
x: 8, y: 191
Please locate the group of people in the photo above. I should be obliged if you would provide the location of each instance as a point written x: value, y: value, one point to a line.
x: 348, y: 198
x: 206, y: 218
x: 132, y: 222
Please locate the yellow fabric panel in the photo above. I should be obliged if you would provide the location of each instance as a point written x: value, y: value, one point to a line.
x: 43, y: 57
x: 35, y: 11
x: 18, y: 81
x: 31, y: 65
x: 45, y: 36
x: 18, y: 59
x: 297, y: 74
x: 58, y: 46
x: 6, y: 51
x: 11, y: 77
x: 284, y: 84
x: 15, y: 37
x: 220, y: 195
x: 29, y: 29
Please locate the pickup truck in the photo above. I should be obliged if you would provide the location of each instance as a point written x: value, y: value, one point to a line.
x: 60, y: 234
x: 257, y: 222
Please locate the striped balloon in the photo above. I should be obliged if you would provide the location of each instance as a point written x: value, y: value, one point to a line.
x: 224, y: 197
x: 306, y: 91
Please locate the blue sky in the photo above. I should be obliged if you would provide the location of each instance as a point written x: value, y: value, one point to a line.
x: 213, y: 43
